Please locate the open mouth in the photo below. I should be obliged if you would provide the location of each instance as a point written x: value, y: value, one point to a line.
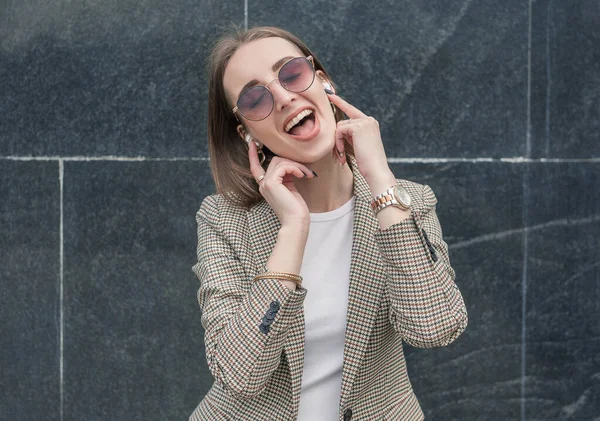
x: 302, y: 124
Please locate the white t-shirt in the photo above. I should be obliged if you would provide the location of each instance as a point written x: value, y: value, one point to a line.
x: 326, y: 276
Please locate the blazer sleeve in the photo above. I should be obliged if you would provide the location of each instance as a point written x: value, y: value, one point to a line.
x: 245, y: 322
x: 427, y: 308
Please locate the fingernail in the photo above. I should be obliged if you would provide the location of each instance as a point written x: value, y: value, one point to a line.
x: 340, y: 154
x: 314, y: 173
x: 329, y: 91
x: 305, y: 175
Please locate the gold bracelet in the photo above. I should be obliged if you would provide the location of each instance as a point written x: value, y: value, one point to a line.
x: 286, y: 276
x: 290, y: 276
x: 282, y: 278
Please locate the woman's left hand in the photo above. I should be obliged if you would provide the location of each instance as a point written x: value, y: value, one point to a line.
x: 362, y: 132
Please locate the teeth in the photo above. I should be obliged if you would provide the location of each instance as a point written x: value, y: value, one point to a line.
x: 297, y: 119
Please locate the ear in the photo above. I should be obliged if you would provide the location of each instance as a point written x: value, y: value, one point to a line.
x: 241, y: 131
x: 325, y: 80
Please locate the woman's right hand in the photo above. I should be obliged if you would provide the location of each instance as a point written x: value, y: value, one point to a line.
x: 278, y: 189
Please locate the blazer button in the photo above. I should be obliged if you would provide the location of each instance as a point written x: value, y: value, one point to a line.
x: 264, y: 328
x: 266, y: 321
x: 274, y: 306
x: 270, y: 314
x: 348, y: 414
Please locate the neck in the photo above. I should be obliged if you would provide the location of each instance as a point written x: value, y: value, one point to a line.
x: 331, y: 189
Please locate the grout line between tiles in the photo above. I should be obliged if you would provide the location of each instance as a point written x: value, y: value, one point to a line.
x: 102, y: 158
x: 529, y: 41
x: 525, y: 214
x: 427, y: 160
x: 525, y: 218
x: 61, y: 173
x: 513, y: 160
x: 548, y: 79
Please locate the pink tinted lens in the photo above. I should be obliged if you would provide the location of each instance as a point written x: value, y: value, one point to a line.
x: 256, y: 103
x: 297, y: 75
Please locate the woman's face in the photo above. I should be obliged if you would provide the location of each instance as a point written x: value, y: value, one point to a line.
x: 310, y: 141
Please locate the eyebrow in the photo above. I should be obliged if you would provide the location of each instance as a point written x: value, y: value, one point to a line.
x: 275, y: 67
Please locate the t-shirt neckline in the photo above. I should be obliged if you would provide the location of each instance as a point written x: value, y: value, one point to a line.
x: 334, y: 214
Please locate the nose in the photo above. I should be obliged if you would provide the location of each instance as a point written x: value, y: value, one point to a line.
x: 281, y: 96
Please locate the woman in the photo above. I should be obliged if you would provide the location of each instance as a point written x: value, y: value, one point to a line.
x: 314, y: 261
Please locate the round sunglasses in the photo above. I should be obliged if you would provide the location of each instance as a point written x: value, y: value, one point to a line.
x: 296, y: 75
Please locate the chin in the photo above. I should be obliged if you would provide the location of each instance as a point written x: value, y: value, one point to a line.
x: 317, y: 156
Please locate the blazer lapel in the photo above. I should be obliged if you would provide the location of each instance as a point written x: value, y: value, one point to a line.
x: 367, y: 279
x: 264, y: 226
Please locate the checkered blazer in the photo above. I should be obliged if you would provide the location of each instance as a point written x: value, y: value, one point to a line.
x: 401, y: 289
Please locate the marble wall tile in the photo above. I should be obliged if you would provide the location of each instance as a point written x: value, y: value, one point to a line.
x: 474, y: 199
x: 563, y: 191
x: 107, y: 78
x: 480, y: 210
x: 565, y: 79
x: 563, y: 292
x: 133, y: 339
x: 444, y: 79
x: 30, y: 290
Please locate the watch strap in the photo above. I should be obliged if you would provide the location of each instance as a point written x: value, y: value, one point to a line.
x: 384, y: 200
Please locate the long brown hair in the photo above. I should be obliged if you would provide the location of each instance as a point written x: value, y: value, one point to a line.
x: 228, y: 153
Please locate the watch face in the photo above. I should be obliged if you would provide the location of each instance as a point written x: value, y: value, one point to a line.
x: 402, y: 196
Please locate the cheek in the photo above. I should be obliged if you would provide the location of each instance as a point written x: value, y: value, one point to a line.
x: 264, y: 131
x: 261, y: 127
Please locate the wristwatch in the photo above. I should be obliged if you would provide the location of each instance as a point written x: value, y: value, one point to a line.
x: 394, y: 196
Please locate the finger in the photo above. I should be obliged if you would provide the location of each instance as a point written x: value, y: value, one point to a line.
x: 342, y: 134
x: 348, y: 121
x: 296, y: 168
x: 339, y: 150
x: 285, y: 173
x: 340, y: 144
x: 255, y: 167
x: 350, y: 110
x: 309, y: 173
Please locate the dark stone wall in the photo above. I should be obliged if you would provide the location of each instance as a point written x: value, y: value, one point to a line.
x: 103, y: 163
